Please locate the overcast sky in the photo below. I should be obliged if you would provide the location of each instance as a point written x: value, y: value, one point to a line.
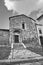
x: 8, y: 8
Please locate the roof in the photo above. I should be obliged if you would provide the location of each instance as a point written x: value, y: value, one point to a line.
x: 37, y: 23
x: 40, y: 17
x: 21, y: 15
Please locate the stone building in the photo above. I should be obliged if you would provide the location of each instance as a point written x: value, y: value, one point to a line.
x: 40, y: 28
x: 23, y: 30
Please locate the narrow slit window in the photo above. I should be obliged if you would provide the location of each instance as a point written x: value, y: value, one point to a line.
x: 23, y: 25
x: 40, y: 31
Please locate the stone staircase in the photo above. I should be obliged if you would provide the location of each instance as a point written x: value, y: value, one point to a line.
x: 17, y: 46
x: 23, y: 54
x: 19, y: 52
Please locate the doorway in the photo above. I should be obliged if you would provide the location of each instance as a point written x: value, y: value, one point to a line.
x: 16, y: 38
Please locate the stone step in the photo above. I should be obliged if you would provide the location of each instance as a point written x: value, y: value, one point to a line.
x: 18, y: 46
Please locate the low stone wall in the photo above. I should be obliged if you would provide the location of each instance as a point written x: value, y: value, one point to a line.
x: 4, y: 37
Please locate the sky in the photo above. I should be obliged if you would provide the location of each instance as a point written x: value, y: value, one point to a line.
x: 13, y: 7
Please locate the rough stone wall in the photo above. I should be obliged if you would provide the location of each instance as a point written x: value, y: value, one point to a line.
x: 29, y: 34
x: 4, y: 37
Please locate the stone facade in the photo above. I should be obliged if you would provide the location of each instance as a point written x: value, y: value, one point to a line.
x: 23, y: 30
x: 40, y: 29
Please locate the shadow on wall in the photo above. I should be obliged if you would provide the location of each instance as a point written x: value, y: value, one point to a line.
x: 31, y: 41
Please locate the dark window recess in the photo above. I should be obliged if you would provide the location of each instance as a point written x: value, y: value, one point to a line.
x: 23, y: 25
x: 16, y: 38
x: 40, y: 31
x: 41, y: 40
